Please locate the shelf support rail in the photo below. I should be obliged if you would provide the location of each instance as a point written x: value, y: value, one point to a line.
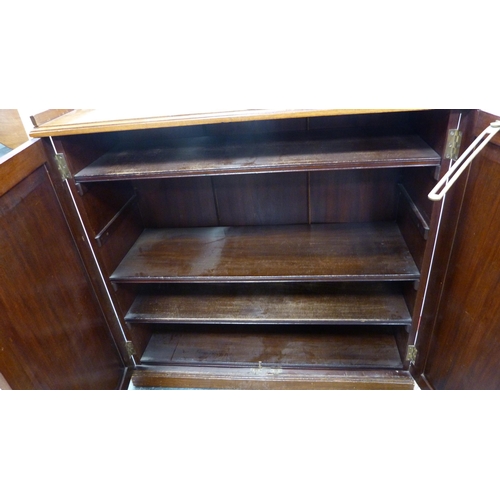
x: 442, y: 187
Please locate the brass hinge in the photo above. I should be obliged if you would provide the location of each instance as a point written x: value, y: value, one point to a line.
x: 130, y: 348
x: 453, y: 144
x: 411, y: 354
x: 62, y: 166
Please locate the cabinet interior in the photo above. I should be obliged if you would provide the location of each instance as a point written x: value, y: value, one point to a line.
x: 292, y: 243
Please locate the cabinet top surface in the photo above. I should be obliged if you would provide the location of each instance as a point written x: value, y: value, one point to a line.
x: 86, y: 121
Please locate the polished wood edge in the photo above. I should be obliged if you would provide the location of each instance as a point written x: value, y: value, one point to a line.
x: 125, y: 380
x: 46, y: 116
x: 92, y: 121
x: 248, y: 378
x: 19, y: 163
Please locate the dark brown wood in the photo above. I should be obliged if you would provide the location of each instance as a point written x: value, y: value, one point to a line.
x: 250, y: 378
x: 418, y: 182
x: 365, y: 195
x: 483, y: 120
x: 343, y: 173
x: 205, y: 156
x: 52, y: 331
x: 433, y: 125
x: 269, y: 253
x: 464, y: 351
x: 103, y: 202
x: 444, y: 224
x: 420, y: 220
x: 119, y: 238
x: 177, y: 202
x: 319, y: 303
x: 85, y: 222
x: 340, y: 347
x: 433, y: 258
x: 401, y: 121
x: 261, y: 199
x: 256, y: 127
x: 411, y: 232
x: 80, y: 151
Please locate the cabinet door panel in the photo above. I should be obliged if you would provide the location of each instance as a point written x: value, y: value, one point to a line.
x: 52, y: 332
x: 464, y: 349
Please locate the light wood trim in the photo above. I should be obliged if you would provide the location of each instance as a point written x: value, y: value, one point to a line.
x: 19, y: 163
x: 87, y: 121
x: 12, y: 132
x: 47, y: 116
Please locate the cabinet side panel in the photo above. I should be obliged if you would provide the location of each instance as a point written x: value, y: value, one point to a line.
x: 52, y: 332
x: 465, y: 347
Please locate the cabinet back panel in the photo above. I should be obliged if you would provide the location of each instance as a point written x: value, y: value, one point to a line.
x: 353, y: 195
x: 177, y: 202
x: 244, y: 200
x: 270, y: 199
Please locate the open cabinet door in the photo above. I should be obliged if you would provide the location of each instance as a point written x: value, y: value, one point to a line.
x: 459, y: 345
x: 53, y: 334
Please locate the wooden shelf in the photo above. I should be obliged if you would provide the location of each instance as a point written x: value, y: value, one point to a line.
x: 322, y: 252
x: 286, y: 347
x: 207, y: 156
x: 281, y: 303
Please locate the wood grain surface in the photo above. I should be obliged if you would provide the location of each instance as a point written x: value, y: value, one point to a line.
x: 464, y: 351
x: 300, y: 347
x: 12, y: 131
x: 52, y: 331
x: 271, y: 379
x: 283, y: 303
x: 269, y: 253
x: 206, y: 156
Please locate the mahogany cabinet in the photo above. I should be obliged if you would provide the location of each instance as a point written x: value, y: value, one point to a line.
x: 258, y: 249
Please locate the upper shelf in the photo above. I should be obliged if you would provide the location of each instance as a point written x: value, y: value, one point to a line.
x: 210, y: 156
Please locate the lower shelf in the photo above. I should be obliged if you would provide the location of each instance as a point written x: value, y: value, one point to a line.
x: 273, y: 357
x: 318, y: 303
x: 275, y: 347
